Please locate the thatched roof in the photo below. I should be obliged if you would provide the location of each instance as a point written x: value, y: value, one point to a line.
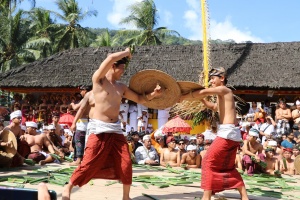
x: 249, y: 65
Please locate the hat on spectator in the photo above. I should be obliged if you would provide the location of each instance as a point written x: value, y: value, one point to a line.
x: 272, y: 143
x: 146, y: 137
x: 51, y: 127
x: 45, y: 127
x: 23, y: 127
x: 31, y: 124
x: 253, y: 132
x: 191, y: 147
x: 297, y: 103
x: 15, y: 114
x: 193, y: 138
x: 145, y: 110
x: 288, y: 149
x: 68, y: 132
x: 200, y: 135
x: 170, y: 139
x: 158, y: 133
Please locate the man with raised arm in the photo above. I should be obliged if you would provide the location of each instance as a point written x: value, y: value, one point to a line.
x: 106, y: 153
x: 218, y: 165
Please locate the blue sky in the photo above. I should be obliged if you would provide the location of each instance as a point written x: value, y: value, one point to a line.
x: 256, y: 20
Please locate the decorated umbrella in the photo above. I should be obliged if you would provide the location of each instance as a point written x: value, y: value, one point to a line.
x: 66, y: 119
x: 177, y: 125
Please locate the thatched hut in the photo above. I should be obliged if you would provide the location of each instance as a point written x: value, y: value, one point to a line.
x: 254, y: 70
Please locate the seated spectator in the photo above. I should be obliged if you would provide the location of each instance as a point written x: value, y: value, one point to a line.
x: 289, y: 142
x: 252, y: 150
x: 191, y: 158
x: 181, y: 147
x: 56, y: 142
x: 146, y: 154
x: 170, y: 156
x: 296, y: 151
x: 136, y: 140
x: 267, y: 129
x: 200, y: 143
x: 287, y: 163
x: 238, y: 160
x: 276, y: 147
x: 245, y: 130
x: 272, y: 163
x: 36, y: 143
x: 296, y: 112
x: 158, y: 141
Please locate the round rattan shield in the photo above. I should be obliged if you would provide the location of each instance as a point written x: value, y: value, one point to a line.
x: 6, y: 136
x: 145, y: 81
x: 297, y: 164
x: 188, y: 86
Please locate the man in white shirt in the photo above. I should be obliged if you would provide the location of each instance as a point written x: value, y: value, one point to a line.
x: 163, y: 116
x: 146, y: 154
x: 124, y: 109
x: 267, y: 129
x: 133, y: 113
x: 126, y: 128
x: 143, y: 121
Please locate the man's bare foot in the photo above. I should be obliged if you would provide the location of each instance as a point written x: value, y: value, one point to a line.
x: 42, y: 162
x: 67, y: 192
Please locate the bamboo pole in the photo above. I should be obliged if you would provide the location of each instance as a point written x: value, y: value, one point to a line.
x: 205, y: 42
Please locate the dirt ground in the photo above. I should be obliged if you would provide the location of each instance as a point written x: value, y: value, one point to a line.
x: 98, y: 191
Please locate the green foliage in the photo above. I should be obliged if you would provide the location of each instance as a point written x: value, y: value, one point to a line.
x: 205, y: 115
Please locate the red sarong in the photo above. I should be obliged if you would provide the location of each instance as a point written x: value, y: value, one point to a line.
x: 218, y: 166
x: 106, y: 156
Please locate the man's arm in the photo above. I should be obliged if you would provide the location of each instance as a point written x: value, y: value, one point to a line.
x: 200, y: 94
x: 142, y: 99
x: 83, y: 105
x: 197, y: 165
x: 162, y: 163
x: 108, y: 62
x: 210, y: 105
x: 48, y: 144
x: 76, y: 106
x: 288, y: 115
x: 183, y: 159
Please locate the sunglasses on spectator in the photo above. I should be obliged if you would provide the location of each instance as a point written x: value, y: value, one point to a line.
x: 180, y: 143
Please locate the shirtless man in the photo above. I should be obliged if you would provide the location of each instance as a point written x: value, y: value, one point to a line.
x: 287, y: 163
x: 283, y: 115
x: 191, y: 158
x: 80, y: 125
x: 296, y: 112
x: 272, y: 163
x: 252, y: 148
x: 14, y: 126
x: 55, y: 119
x: 227, y: 141
x: 107, y: 147
x: 170, y: 156
x: 36, y: 143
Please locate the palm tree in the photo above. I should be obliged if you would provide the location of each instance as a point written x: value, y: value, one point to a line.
x: 40, y: 44
x: 145, y: 18
x: 105, y: 40
x: 11, y: 3
x: 13, y: 35
x: 72, y: 35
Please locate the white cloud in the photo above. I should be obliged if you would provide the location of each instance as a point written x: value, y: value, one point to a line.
x: 119, y: 12
x: 226, y: 30
x: 218, y: 30
x: 167, y: 18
